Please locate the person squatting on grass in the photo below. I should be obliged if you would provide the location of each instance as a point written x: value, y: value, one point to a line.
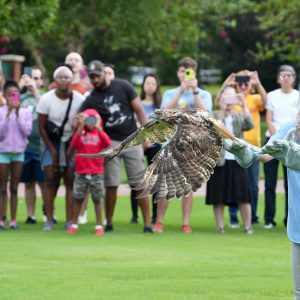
x: 88, y: 139
x: 15, y: 127
x: 284, y: 146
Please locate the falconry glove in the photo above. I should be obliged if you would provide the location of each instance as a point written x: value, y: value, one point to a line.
x: 244, y: 153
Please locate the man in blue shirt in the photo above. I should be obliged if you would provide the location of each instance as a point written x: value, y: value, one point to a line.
x: 186, y: 95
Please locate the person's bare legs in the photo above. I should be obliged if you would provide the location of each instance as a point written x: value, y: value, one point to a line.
x: 51, y: 182
x: 245, y: 210
x: 161, y: 210
x: 219, y: 216
x: 187, y: 203
x: 98, y: 212
x: 110, y: 202
x: 76, y: 210
x: 84, y: 205
x: 68, y: 176
x: 30, y: 198
x: 4, y: 170
x: 15, y: 176
x: 144, y: 204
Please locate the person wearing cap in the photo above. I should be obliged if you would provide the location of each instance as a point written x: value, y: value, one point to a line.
x: 88, y: 139
x: 116, y: 101
x: 282, y: 106
x: 53, y: 107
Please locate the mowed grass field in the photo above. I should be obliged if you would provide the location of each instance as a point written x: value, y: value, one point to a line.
x: 128, y: 264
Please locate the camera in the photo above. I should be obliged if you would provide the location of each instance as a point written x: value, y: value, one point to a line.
x: 242, y: 79
x: 90, y: 120
x: 189, y: 74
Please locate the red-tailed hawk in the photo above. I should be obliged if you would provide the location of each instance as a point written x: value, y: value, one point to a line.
x: 193, y: 142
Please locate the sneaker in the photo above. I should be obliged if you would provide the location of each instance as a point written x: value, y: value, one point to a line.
x: 82, y: 219
x: 109, y: 228
x: 186, y: 229
x: 99, y: 231
x: 249, y: 230
x: 48, y: 226
x: 134, y: 221
x: 72, y: 229
x: 221, y: 229
x: 30, y: 220
x: 148, y: 229
x: 13, y: 226
x: 234, y: 225
x: 158, y: 227
x: 68, y: 224
x: 269, y: 226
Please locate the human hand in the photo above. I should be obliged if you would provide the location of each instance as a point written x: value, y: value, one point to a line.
x: 275, y: 147
x: 99, y: 123
x: 254, y: 79
x: 55, y: 160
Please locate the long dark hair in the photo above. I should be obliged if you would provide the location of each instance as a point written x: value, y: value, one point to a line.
x: 157, y: 94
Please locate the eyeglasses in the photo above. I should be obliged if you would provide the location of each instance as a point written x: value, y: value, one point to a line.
x: 37, y: 78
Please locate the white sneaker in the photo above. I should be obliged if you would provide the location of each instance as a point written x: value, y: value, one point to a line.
x: 234, y: 225
x: 269, y: 226
x: 83, y: 218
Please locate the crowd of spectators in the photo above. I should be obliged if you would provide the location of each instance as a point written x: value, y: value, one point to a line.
x: 86, y: 109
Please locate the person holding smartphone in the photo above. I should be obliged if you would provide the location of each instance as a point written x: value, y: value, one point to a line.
x: 248, y: 84
x: 15, y: 127
x: 186, y: 95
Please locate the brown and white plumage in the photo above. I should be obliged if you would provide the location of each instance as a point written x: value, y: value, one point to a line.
x: 186, y: 160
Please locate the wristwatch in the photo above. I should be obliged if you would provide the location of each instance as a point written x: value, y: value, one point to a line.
x: 196, y: 92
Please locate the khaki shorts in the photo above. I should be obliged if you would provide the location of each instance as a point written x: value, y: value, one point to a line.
x: 94, y: 182
x: 134, y: 164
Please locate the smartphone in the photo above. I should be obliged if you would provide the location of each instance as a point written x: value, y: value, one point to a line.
x: 189, y: 74
x: 90, y: 120
x: 28, y: 71
x: 242, y: 79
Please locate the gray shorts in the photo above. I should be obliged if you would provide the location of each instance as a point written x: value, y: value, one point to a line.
x: 94, y: 182
x: 134, y: 164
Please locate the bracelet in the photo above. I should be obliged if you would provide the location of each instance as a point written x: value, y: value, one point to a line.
x: 196, y: 93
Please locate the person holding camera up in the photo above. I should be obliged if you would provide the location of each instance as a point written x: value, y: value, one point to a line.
x: 88, y: 139
x: 245, y: 82
x: 187, y: 95
x: 228, y: 185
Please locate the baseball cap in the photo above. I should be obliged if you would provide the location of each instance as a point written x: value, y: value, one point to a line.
x: 95, y: 67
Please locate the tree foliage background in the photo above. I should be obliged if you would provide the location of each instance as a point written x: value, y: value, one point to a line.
x: 230, y: 35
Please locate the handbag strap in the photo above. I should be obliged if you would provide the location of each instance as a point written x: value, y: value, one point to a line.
x: 67, y: 114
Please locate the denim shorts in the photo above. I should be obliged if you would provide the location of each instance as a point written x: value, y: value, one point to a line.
x: 7, y: 158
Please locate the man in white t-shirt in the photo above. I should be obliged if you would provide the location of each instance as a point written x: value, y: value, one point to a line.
x: 282, y: 107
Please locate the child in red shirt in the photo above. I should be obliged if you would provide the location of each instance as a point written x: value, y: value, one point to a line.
x: 88, y: 139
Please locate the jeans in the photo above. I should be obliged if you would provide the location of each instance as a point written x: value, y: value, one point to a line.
x: 271, y: 170
x: 296, y: 269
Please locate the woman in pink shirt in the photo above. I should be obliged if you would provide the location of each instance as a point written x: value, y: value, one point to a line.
x: 15, y: 127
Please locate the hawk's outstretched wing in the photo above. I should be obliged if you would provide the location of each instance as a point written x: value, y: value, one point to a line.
x: 155, y: 131
x: 182, y: 165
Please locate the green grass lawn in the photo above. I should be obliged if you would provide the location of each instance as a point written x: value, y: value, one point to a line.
x: 127, y: 264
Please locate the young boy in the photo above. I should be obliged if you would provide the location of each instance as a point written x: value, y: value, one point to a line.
x: 88, y: 139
